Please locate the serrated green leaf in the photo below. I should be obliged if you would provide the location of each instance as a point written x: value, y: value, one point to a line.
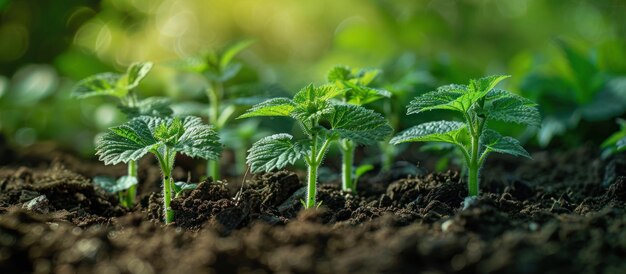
x: 311, y: 94
x: 439, y: 131
x: 313, y: 102
x: 508, y: 107
x: 358, y: 124
x: 103, y: 84
x: 361, y: 95
x: 446, y: 97
x: 492, y: 141
x: 485, y: 84
x: 143, y: 134
x: 136, y: 73
x: 232, y: 51
x: 198, y: 140
x: 339, y: 73
x: 152, y: 106
x: 275, y: 152
x: 271, y: 107
x: 125, y: 143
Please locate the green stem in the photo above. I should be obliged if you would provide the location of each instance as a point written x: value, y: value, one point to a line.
x: 473, y: 168
x: 387, y: 156
x: 312, y: 186
x: 214, y: 94
x: 131, y: 193
x: 167, y: 199
x: 312, y: 164
x: 167, y: 164
x: 347, y: 166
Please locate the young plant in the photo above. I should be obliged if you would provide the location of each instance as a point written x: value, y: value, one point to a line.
x: 217, y: 68
x: 163, y: 137
x: 323, y: 122
x: 477, y: 103
x: 122, y: 87
x: 356, y: 92
x: 616, y: 143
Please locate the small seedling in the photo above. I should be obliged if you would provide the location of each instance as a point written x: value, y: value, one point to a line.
x: 119, y: 187
x: 616, y: 143
x: 478, y: 103
x: 122, y: 87
x: 323, y: 122
x: 355, y: 84
x: 163, y: 137
x: 217, y: 67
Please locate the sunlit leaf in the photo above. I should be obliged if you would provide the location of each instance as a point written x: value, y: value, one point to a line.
x: 439, y: 131
x: 275, y: 152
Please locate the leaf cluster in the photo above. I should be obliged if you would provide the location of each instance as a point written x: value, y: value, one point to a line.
x: 322, y: 120
x: 477, y: 103
x: 144, y: 134
x: 112, y: 84
x: 215, y: 65
x: 356, y: 83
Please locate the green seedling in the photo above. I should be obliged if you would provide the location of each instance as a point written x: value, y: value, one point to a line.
x: 357, y: 92
x: 163, y: 137
x: 122, y: 87
x: 217, y: 67
x: 616, y: 143
x: 181, y: 187
x: 478, y: 103
x: 323, y: 122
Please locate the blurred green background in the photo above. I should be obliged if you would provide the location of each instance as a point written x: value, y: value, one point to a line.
x: 568, y: 55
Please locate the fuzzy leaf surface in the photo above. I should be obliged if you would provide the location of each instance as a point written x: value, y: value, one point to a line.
x: 448, y: 97
x: 493, y: 141
x: 360, y: 95
x: 439, y: 131
x: 485, y: 84
x: 313, y: 102
x: 275, y: 152
x: 125, y: 143
x: 271, y: 107
x: 358, y: 124
x: 144, y: 134
x: 508, y: 107
x: 198, y: 140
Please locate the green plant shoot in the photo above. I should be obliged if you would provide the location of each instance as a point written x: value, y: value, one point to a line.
x: 355, y: 84
x: 122, y: 87
x: 477, y: 103
x: 323, y: 122
x: 217, y: 67
x: 163, y: 137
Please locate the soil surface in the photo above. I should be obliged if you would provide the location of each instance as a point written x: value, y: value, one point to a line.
x: 559, y: 213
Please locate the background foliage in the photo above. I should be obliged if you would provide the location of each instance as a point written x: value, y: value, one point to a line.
x: 567, y: 55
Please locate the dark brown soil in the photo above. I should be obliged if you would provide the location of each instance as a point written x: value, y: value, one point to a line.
x: 550, y: 215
